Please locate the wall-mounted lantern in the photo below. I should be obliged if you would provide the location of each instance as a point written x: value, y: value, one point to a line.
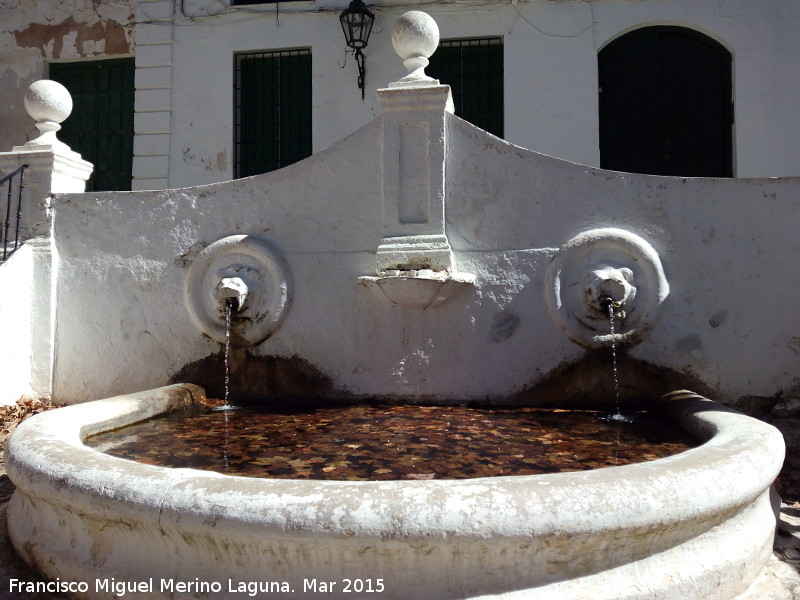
x: 357, y: 22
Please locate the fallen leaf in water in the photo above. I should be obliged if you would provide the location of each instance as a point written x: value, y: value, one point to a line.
x: 420, y: 475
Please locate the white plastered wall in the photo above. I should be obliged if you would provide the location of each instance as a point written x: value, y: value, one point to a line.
x: 725, y: 244
x: 551, y: 48
x: 184, y: 110
x: 26, y: 321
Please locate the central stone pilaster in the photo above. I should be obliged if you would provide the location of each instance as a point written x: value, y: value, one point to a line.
x: 413, y: 186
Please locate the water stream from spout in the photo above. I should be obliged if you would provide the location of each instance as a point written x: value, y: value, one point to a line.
x: 229, y: 307
x: 225, y: 447
x: 613, y: 357
x: 617, y: 415
x: 227, y: 406
x: 228, y: 317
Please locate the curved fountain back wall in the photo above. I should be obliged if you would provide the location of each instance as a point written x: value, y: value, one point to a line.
x: 123, y: 260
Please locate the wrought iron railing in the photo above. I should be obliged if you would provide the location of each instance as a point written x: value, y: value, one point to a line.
x: 10, y: 243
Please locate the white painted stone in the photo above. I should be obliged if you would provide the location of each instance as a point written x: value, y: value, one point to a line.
x: 415, y: 38
x: 553, y: 42
x: 610, y: 287
x: 419, y: 289
x: 16, y: 323
x: 153, y: 34
x: 51, y: 166
x: 150, y: 166
x: 49, y: 169
x: 27, y: 321
x: 153, y: 121
x: 43, y: 304
x: 32, y: 37
x: 156, y: 144
x: 162, y: 10
x: 152, y: 100
x: 149, y: 183
x: 419, y: 181
x: 48, y: 100
x: 48, y: 103
x: 153, y: 77
x: 232, y: 289
x: 414, y: 138
x: 153, y: 55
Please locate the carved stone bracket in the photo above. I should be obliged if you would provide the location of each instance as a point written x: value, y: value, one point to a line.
x: 419, y: 289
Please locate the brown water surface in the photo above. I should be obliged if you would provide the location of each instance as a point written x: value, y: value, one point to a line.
x: 376, y: 442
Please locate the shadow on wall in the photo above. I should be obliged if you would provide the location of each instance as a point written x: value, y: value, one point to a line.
x: 586, y: 383
x: 258, y: 378
x: 589, y: 382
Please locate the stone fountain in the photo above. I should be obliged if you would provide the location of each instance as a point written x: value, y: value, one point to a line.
x: 444, y: 275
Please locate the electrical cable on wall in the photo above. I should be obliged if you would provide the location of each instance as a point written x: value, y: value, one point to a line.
x: 228, y: 8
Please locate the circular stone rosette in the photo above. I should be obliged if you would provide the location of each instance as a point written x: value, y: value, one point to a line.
x: 569, y: 280
x: 259, y: 267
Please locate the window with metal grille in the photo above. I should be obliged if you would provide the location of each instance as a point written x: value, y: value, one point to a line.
x: 666, y: 104
x: 272, y: 99
x: 100, y: 126
x: 473, y: 68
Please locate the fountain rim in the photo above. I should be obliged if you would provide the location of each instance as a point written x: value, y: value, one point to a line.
x: 46, y: 458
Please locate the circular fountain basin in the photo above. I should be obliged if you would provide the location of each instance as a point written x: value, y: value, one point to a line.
x: 698, y: 524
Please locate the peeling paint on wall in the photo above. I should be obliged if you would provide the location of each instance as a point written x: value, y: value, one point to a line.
x: 217, y: 163
x: 70, y: 38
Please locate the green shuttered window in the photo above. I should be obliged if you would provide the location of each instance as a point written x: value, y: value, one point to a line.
x: 272, y: 110
x: 473, y: 68
x: 100, y: 127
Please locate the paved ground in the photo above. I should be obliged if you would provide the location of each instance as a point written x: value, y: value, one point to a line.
x: 785, y: 566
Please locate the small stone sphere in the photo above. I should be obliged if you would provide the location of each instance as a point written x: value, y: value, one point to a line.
x: 48, y: 100
x: 415, y: 34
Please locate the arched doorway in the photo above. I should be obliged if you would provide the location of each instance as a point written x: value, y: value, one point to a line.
x: 666, y: 104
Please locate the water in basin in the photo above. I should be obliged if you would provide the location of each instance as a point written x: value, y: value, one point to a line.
x: 384, y: 442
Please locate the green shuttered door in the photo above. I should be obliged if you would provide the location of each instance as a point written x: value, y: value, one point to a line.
x: 101, y: 125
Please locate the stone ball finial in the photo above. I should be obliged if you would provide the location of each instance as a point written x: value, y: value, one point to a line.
x: 415, y: 38
x: 48, y: 101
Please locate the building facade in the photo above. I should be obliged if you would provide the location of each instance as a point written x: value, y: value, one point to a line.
x: 172, y: 93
